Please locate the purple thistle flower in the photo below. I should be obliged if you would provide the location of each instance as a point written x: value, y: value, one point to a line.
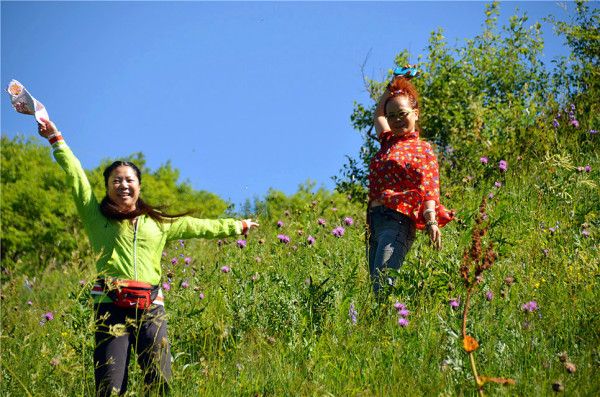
x: 498, y: 184
x: 283, y: 238
x: 321, y: 222
x: 489, y: 296
x: 310, y: 240
x: 338, y: 231
x: 48, y: 316
x: 588, y: 168
x: 30, y: 303
x: 225, y: 269
x: 503, y: 165
x: 184, y: 284
x: 572, y: 107
x: 491, y: 195
x: 580, y: 169
x: 352, y: 313
x: 558, y: 115
x: 530, y: 306
x: 348, y: 221
x: 201, y: 296
x: 181, y: 243
x: 402, y: 322
x: 454, y: 303
x: 173, y: 261
x: 574, y: 123
x: 403, y: 313
x: 484, y: 160
x: 555, y: 123
x: 592, y: 132
x: 241, y: 243
x: 187, y: 260
x: 399, y: 306
x: 279, y: 224
x: 585, y: 233
x: 166, y: 286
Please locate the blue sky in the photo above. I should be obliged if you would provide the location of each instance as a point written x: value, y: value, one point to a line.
x: 240, y: 96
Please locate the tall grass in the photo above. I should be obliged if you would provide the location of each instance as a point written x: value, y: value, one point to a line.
x: 279, y: 324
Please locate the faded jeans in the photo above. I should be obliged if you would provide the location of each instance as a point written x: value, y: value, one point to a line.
x: 391, y: 234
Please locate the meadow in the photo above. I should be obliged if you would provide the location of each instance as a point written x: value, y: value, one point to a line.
x: 288, y: 309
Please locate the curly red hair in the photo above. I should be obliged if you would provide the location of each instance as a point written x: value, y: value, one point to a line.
x: 401, y: 86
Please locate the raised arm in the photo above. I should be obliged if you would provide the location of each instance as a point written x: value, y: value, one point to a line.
x: 381, y: 123
x: 86, y: 202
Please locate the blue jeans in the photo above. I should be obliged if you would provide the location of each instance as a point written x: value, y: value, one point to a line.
x: 391, y: 234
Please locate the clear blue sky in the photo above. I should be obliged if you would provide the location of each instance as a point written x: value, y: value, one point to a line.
x: 240, y: 96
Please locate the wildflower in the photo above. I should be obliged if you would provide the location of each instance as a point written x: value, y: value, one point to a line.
x: 552, y: 230
x: 279, y: 224
x: 402, y: 322
x: 574, y: 123
x: 503, y: 165
x: 572, y: 107
x: 30, y: 303
x: 48, y: 316
x: 184, y: 284
x: 310, y: 240
x: 585, y: 233
x: 580, y: 169
x: 254, y: 277
x: 498, y: 184
x: 399, y: 306
x: 348, y: 221
x: 489, y: 296
x: 54, y: 362
x: 491, y: 195
x: 225, y: 269
x: 484, y: 160
x: 454, y: 303
x: 166, y: 286
x: 241, y: 243
x: 321, y: 222
x: 334, y: 209
x: 219, y: 242
x: 588, y: 168
x: 546, y: 251
x: 352, y: 313
x: 555, y: 123
x: 187, y: 260
x: 592, y: 132
x: 530, y: 306
x: 181, y: 243
x: 201, y: 295
x: 164, y: 254
x: 338, y: 231
x: 173, y: 261
x: 283, y: 238
x: 82, y: 282
x: 403, y: 313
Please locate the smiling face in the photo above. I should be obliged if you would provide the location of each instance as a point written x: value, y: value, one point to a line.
x: 123, y: 188
x: 401, y: 116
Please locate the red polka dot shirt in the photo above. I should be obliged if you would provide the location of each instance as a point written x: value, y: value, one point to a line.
x: 404, y: 174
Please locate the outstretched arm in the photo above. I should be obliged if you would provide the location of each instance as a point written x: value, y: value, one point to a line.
x: 188, y: 227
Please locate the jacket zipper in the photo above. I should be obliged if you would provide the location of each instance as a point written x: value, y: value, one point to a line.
x: 135, y: 275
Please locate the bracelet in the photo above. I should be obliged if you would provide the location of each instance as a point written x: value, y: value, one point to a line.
x: 431, y: 223
x: 57, y: 136
x: 427, y: 211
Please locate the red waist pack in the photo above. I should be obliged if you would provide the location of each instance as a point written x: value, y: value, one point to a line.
x: 131, y: 294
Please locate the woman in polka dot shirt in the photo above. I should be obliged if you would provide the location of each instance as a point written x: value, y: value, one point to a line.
x: 404, y: 192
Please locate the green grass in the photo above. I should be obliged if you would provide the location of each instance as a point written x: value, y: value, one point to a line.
x: 278, y: 323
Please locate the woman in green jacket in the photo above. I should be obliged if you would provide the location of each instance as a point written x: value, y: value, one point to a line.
x: 129, y: 236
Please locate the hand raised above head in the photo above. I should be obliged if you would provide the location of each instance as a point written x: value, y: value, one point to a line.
x: 47, y: 128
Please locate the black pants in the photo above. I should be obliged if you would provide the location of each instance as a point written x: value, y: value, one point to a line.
x: 117, y: 331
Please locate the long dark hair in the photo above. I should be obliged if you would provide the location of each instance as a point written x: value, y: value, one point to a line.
x: 111, y: 211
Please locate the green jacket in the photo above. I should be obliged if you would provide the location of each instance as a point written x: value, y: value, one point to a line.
x: 125, y: 251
